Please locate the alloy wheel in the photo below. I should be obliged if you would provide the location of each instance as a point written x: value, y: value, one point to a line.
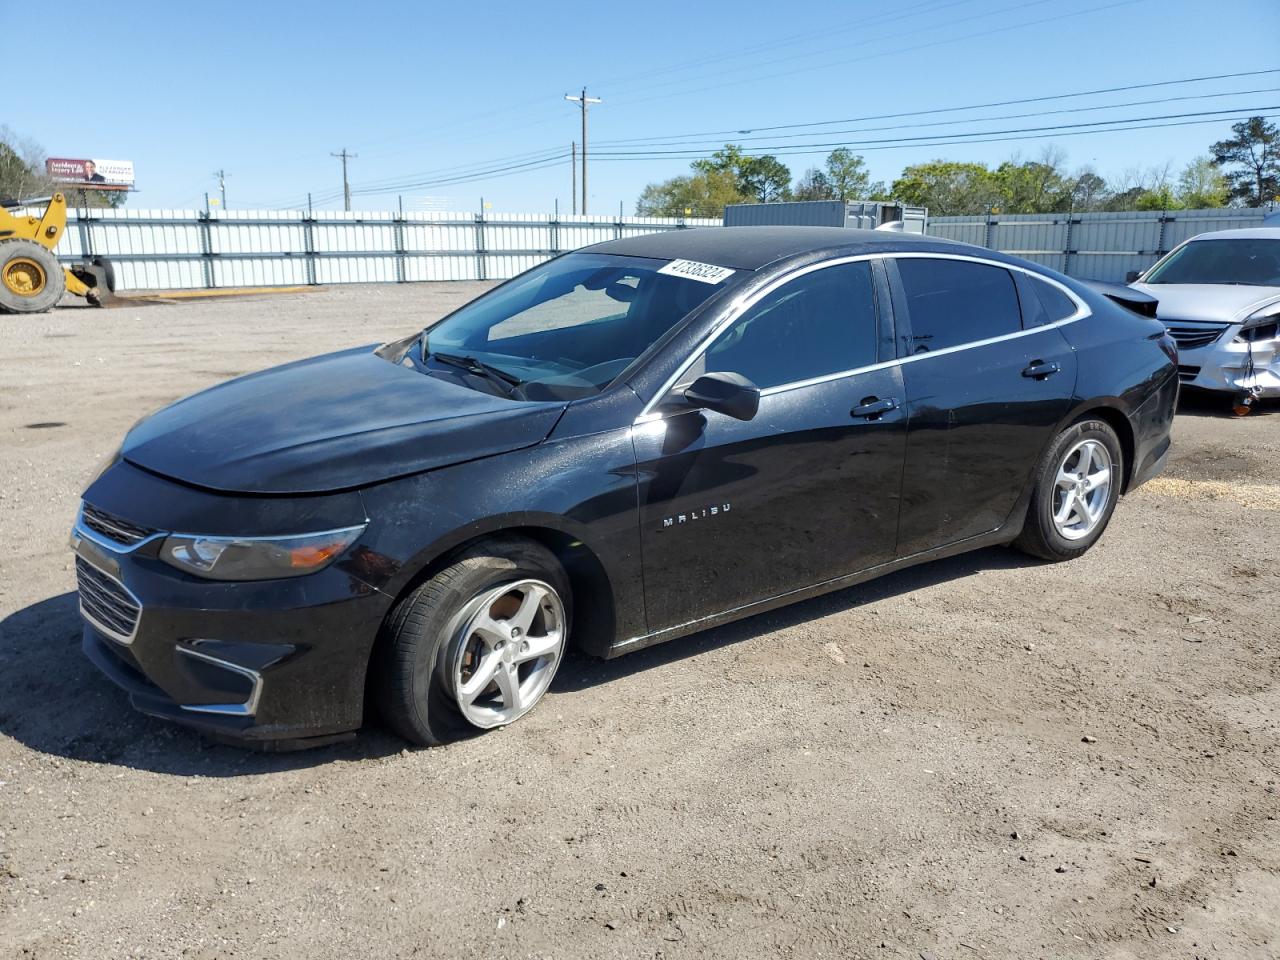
x: 506, y: 652
x: 1082, y: 489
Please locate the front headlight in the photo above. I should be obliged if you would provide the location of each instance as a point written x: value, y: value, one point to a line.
x: 257, y: 558
x: 1262, y: 325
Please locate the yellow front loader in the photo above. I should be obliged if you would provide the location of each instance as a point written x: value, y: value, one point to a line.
x: 31, y: 279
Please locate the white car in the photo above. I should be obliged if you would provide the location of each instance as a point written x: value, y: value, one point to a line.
x: 1219, y: 297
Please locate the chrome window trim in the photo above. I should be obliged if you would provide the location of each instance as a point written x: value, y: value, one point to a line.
x: 247, y: 709
x: 106, y: 631
x: 649, y: 414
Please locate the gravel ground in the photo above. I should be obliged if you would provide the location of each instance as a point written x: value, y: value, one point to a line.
x: 981, y: 757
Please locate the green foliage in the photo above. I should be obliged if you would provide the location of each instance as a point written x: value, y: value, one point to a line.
x: 700, y: 195
x: 1202, y: 184
x: 947, y: 188
x: 848, y: 176
x: 1250, y: 161
x: 21, y: 168
x: 1161, y: 198
x: 761, y: 179
x: 22, y: 176
x: 813, y: 185
x: 1243, y: 169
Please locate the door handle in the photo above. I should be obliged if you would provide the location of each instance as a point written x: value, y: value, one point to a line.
x: 873, y: 408
x: 1039, y: 370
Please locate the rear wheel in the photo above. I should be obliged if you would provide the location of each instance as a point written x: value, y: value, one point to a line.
x: 476, y: 646
x: 31, y: 280
x: 1077, y: 486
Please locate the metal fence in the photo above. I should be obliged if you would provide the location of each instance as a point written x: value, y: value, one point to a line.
x: 1093, y: 246
x: 190, y: 249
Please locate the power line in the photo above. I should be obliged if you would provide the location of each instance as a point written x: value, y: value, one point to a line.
x: 1030, y: 133
x: 706, y: 144
x: 936, y: 110
x: 980, y: 34
x: 756, y: 65
x: 862, y: 23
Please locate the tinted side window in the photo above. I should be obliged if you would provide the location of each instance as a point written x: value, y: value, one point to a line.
x: 821, y: 323
x: 953, y: 302
x: 1057, y: 305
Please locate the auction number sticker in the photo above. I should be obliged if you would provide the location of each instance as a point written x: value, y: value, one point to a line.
x: 693, y: 270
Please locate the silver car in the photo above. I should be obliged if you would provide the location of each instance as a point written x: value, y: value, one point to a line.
x: 1219, y: 296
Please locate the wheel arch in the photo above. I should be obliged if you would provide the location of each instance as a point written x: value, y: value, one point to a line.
x: 1110, y: 411
x: 593, y: 607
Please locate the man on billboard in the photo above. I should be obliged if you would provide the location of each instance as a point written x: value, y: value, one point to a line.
x: 91, y: 174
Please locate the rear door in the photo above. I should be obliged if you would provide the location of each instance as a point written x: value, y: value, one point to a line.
x: 986, y: 381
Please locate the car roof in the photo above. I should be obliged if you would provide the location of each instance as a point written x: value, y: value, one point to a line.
x: 1247, y: 233
x: 749, y: 248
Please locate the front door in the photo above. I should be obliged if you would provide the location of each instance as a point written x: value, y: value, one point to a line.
x: 731, y: 511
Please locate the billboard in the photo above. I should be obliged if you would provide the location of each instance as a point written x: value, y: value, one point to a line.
x: 91, y: 174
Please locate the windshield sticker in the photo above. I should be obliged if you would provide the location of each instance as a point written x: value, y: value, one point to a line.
x: 693, y: 270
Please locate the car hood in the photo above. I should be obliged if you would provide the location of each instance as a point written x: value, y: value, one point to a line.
x: 1219, y: 303
x: 333, y: 422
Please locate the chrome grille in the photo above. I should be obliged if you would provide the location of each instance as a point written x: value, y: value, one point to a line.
x: 105, y: 603
x: 113, y: 527
x: 1192, y: 338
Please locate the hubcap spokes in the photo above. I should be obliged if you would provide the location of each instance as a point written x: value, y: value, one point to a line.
x: 506, y: 651
x: 1082, y: 489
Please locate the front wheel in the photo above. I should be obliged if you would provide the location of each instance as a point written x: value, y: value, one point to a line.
x: 476, y: 646
x: 1076, y: 489
x: 31, y: 279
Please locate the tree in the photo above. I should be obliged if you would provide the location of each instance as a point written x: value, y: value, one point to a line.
x: 848, y: 176
x: 22, y: 175
x: 700, y: 195
x: 1202, y: 184
x: 21, y: 167
x: 1088, y: 191
x: 1034, y: 186
x: 1255, y: 153
x: 762, y: 179
x: 947, y: 188
x: 814, y: 185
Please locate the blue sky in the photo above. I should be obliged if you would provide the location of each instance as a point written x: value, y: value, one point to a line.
x: 267, y: 90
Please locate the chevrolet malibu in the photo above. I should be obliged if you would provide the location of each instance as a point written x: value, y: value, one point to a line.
x: 622, y: 446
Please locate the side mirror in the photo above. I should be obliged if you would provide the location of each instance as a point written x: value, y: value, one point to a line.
x: 1132, y: 276
x: 729, y: 393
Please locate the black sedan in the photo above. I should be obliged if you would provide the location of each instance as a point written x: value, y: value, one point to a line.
x: 621, y: 446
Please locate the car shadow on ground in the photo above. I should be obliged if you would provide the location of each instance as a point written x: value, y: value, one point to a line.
x: 580, y: 672
x: 56, y: 703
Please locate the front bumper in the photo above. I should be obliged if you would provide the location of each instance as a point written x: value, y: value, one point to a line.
x: 1223, y: 364
x: 272, y: 661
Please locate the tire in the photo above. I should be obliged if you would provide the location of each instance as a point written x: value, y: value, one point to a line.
x: 422, y: 655
x: 31, y: 279
x: 1046, y: 533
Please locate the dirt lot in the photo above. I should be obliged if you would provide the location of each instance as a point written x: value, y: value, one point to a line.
x: 896, y: 770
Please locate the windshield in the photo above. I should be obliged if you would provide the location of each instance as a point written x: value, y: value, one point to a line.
x: 565, y: 329
x: 1252, y: 262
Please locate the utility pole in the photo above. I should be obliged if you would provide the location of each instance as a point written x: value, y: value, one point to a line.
x: 573, y: 173
x: 583, y: 101
x: 222, y: 185
x: 346, y: 186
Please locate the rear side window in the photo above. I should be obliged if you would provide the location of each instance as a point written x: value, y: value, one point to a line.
x: 954, y: 302
x: 820, y: 323
x: 1057, y: 305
